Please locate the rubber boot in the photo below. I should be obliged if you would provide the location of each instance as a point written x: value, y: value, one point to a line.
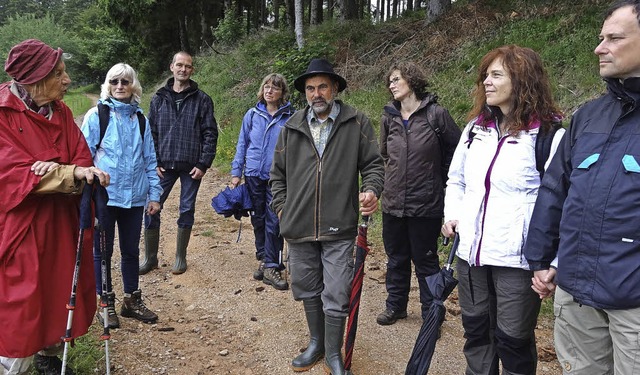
x: 151, y: 243
x: 315, y: 349
x: 333, y: 337
x: 181, y: 251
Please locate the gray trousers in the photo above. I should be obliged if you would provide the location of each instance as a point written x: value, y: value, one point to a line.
x: 595, y: 341
x: 323, y: 269
x: 499, y: 315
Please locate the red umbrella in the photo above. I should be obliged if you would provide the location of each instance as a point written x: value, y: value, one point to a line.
x: 362, y: 249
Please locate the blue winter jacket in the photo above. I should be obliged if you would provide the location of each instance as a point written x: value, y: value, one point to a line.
x: 129, y: 159
x: 257, y: 140
x: 588, y: 206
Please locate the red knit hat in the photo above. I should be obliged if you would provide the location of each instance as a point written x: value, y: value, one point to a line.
x: 30, y: 61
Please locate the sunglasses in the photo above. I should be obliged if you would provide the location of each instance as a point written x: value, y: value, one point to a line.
x: 123, y: 82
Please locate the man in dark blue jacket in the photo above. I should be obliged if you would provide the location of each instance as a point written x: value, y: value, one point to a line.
x: 185, y: 134
x: 587, y: 215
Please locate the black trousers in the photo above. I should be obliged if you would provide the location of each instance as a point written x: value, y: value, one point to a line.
x: 406, y: 240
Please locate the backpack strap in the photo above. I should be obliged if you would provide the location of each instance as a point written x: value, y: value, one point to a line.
x: 103, y: 117
x: 543, y: 146
x: 433, y: 124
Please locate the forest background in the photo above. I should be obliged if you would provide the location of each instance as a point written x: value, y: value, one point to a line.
x: 237, y: 42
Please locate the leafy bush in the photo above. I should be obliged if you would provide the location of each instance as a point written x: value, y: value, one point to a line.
x: 230, y: 30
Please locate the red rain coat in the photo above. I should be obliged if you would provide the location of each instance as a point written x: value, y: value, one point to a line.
x: 39, y: 233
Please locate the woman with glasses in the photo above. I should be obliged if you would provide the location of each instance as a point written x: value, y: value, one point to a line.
x: 120, y: 141
x: 254, y: 153
x: 417, y: 141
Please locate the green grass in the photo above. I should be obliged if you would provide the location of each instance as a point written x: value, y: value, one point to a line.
x: 78, y: 102
x: 87, y: 356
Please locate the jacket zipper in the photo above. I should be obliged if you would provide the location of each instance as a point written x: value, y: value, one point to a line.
x: 318, y: 177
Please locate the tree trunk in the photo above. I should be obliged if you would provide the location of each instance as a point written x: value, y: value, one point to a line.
x: 314, y: 12
x: 409, y: 4
x: 291, y: 13
x: 330, y: 5
x: 276, y: 13
x: 436, y: 8
x: 184, y: 38
x: 299, y: 10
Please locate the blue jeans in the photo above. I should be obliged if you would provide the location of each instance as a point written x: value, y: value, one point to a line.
x: 266, y: 226
x: 188, y: 192
x: 129, y: 224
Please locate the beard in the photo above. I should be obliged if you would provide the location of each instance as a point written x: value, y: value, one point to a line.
x: 321, y: 107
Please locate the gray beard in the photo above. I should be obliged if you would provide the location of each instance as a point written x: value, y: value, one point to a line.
x: 324, y: 109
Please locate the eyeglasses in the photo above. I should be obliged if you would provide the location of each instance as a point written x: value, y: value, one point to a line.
x: 123, y: 82
x: 271, y: 88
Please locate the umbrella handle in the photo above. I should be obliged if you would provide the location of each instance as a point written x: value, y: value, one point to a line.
x: 454, y: 249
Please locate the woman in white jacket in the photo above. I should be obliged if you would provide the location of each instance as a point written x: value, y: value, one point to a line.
x: 492, y: 187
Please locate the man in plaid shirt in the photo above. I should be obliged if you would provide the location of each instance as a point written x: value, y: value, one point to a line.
x: 185, y: 134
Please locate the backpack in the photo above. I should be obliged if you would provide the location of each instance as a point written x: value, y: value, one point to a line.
x: 542, y: 147
x: 103, y: 116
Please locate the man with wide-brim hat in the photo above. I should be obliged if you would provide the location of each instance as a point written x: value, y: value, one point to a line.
x: 44, y: 162
x: 322, y: 151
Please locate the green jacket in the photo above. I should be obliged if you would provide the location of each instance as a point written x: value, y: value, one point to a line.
x: 318, y: 197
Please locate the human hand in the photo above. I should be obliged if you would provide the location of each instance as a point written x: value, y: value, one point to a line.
x: 449, y: 228
x: 542, y: 282
x: 40, y: 168
x: 160, y: 172
x: 153, y: 208
x: 90, y: 173
x: 368, y: 203
x: 196, y: 173
x: 235, y: 181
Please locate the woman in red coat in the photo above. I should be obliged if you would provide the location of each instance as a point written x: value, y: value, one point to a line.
x: 44, y: 161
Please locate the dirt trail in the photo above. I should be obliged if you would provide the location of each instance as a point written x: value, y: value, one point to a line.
x: 215, y: 319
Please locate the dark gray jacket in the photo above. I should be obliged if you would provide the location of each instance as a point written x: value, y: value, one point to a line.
x: 318, y: 196
x: 184, y: 138
x: 415, y: 159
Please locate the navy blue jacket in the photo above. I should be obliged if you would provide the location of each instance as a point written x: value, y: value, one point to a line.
x: 186, y: 138
x: 588, y: 206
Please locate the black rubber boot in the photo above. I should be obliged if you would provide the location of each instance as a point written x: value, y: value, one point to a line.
x: 315, y: 349
x: 151, y: 243
x: 184, y: 234
x: 333, y: 336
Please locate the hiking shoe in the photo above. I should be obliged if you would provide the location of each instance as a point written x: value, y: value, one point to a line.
x: 388, y: 317
x: 133, y: 307
x: 49, y: 365
x: 272, y: 277
x: 112, y: 317
x: 259, y: 273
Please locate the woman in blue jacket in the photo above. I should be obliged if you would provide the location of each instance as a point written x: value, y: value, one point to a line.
x: 254, y: 154
x: 124, y: 149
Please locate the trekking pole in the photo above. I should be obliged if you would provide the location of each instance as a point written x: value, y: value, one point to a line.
x: 105, y: 266
x: 85, y: 223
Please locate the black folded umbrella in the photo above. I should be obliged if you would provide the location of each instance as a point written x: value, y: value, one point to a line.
x: 440, y: 285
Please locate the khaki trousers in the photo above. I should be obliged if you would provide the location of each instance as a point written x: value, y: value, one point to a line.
x: 595, y: 341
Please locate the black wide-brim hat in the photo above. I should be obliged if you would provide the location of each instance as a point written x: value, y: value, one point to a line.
x: 317, y: 67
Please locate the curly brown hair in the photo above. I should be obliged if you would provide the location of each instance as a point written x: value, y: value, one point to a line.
x: 413, y: 74
x: 531, y: 96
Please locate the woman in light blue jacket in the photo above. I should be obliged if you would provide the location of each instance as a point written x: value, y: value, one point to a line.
x: 123, y: 147
x: 254, y: 154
